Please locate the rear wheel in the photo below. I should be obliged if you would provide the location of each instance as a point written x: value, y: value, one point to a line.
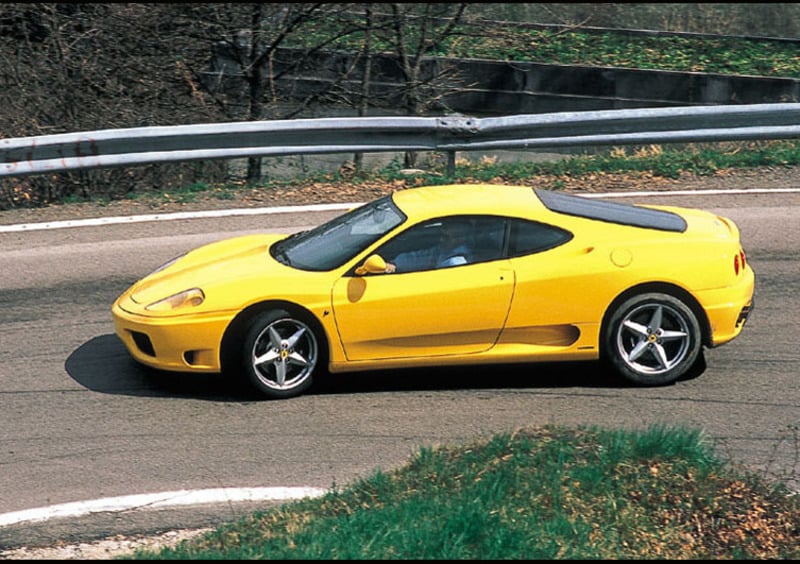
x: 280, y: 354
x: 652, y: 339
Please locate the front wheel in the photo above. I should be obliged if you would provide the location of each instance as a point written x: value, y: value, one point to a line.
x: 280, y: 354
x: 652, y: 339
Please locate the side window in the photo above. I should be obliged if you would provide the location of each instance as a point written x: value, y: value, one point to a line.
x: 413, y: 249
x: 528, y: 237
x: 489, y: 235
x: 445, y: 242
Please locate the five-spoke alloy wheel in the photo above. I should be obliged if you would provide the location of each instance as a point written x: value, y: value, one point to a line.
x: 280, y: 354
x: 652, y: 339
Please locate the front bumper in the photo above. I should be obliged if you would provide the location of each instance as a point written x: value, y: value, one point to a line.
x: 179, y: 344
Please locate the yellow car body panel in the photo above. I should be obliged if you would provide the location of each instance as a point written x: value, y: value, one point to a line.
x: 232, y: 284
x: 389, y: 317
x: 547, y: 305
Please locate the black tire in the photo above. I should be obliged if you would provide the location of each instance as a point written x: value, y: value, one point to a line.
x: 280, y: 354
x: 652, y: 339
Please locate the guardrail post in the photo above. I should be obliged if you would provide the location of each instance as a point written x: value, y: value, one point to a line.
x: 456, y: 126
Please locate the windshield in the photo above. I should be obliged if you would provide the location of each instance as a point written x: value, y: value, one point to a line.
x: 332, y: 244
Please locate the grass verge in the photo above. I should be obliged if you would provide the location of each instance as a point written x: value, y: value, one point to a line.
x: 537, y: 493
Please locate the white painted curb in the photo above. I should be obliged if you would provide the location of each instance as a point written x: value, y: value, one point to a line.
x: 158, y: 501
x: 99, y: 221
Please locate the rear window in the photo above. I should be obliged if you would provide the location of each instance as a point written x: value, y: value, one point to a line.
x: 613, y: 212
x: 527, y: 237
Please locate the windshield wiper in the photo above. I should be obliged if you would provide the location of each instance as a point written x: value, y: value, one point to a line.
x: 283, y: 257
x: 294, y: 235
x: 279, y: 246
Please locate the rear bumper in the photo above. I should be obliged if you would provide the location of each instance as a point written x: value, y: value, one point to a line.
x: 728, y: 309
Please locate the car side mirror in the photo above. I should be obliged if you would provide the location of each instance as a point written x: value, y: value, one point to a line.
x: 373, y: 265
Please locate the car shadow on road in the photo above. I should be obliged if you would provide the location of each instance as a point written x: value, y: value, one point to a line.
x: 103, y: 365
x: 472, y: 377
x: 531, y: 376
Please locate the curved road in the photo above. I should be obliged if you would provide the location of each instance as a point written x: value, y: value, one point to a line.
x: 80, y: 421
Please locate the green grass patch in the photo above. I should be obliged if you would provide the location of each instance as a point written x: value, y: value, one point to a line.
x: 506, y: 42
x: 538, y: 493
x: 723, y: 55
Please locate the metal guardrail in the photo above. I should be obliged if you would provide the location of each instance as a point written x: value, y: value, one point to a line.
x: 143, y: 145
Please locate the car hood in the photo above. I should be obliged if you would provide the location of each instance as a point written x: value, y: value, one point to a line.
x: 214, y: 265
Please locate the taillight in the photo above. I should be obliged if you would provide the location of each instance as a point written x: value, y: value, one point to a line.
x: 739, y: 262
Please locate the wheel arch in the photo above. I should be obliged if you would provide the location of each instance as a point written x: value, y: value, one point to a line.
x: 663, y: 288
x: 235, y: 330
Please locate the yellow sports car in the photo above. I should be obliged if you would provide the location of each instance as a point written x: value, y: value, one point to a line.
x: 447, y: 275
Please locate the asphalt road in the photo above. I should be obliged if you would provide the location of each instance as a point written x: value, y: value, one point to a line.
x: 79, y: 420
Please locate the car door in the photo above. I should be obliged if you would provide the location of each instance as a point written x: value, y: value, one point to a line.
x: 456, y: 310
x: 433, y: 311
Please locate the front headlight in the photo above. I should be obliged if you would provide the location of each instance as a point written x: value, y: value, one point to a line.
x: 187, y: 298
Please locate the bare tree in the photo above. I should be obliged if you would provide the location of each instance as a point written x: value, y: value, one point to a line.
x: 257, y: 45
x: 366, y: 52
x: 80, y: 67
x: 416, y: 32
x: 76, y: 67
x: 412, y: 32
